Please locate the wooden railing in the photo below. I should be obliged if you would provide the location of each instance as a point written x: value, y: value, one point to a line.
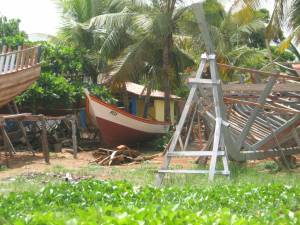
x: 20, y: 59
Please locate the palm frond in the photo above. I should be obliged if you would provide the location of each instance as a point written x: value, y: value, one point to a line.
x: 294, y: 14
x: 275, y: 25
x: 254, y: 26
x: 119, y: 19
x: 132, y: 61
x: 178, y: 12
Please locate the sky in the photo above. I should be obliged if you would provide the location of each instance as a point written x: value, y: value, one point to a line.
x: 41, y: 16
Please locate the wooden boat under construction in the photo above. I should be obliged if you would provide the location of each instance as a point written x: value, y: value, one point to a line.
x: 117, y: 126
x: 18, y: 70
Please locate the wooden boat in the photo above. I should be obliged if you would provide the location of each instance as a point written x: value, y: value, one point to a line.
x: 18, y: 70
x: 119, y: 127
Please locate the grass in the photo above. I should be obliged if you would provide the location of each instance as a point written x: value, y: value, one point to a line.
x: 116, y: 202
x: 145, y: 174
x: 253, y: 195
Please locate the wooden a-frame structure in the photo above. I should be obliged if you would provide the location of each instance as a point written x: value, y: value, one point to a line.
x: 240, y: 134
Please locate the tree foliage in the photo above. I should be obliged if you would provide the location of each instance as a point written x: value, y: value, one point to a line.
x: 55, y: 92
x: 10, y: 33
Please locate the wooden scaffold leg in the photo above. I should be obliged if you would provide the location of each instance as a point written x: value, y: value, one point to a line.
x: 8, y: 147
x: 74, y: 137
x: 44, y: 140
x: 14, y: 109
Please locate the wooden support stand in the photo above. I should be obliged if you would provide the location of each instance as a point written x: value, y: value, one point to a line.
x: 19, y: 118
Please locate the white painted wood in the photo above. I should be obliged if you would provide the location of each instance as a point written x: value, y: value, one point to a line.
x: 6, y: 64
x: 202, y: 81
x: 12, y: 62
x: 222, y: 172
x: 193, y: 153
x: 176, y: 137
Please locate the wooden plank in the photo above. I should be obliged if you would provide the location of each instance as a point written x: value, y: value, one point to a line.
x: 261, y: 101
x: 6, y: 63
x: 13, y: 116
x: 194, y: 171
x: 201, y: 81
x: 18, y: 60
x: 12, y: 84
x: 278, y: 109
x: 12, y: 62
x: 283, y: 87
x: 258, y: 72
x: 2, y: 59
x: 193, y: 153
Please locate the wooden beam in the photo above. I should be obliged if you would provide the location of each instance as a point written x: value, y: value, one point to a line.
x: 284, y: 87
x: 253, y: 71
x: 276, y: 109
x: 44, y: 140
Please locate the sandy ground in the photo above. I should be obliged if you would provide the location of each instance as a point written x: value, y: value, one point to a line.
x: 26, y: 162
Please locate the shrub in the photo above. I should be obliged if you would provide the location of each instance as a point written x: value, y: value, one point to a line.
x: 55, y: 92
x: 96, y: 202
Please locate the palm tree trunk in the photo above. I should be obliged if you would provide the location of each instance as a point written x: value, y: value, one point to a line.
x: 166, y: 77
x: 125, y: 99
x: 269, y: 49
x: 147, y: 101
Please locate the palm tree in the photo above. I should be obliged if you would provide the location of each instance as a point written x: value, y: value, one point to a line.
x: 284, y: 12
x: 74, y: 13
x: 150, y: 26
x: 237, y: 36
x: 294, y: 25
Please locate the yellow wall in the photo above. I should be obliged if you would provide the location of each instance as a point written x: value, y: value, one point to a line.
x: 156, y: 111
x: 140, y: 109
x: 159, y: 106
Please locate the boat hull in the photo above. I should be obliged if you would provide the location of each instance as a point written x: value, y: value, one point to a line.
x: 14, y: 83
x: 119, y: 127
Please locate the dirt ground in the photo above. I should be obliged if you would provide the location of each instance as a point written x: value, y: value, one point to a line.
x: 25, y: 162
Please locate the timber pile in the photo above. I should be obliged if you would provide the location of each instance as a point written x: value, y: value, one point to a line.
x: 121, y: 155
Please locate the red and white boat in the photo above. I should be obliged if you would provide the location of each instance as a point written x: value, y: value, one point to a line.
x: 119, y: 127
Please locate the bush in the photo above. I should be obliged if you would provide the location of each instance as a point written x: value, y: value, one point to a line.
x: 96, y: 202
x: 55, y: 92
x: 161, y: 143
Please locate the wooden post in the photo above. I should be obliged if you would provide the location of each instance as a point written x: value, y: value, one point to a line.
x: 22, y: 59
x: 21, y: 126
x: 44, y: 140
x: 12, y: 61
x: 7, y: 60
x: 2, y: 59
x: 26, y: 58
x: 18, y: 60
x: 6, y: 139
x: 5, y: 144
x: 74, y: 137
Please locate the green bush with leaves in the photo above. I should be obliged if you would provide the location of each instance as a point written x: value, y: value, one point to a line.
x: 161, y: 143
x: 104, y: 202
x: 61, y: 59
x: 55, y: 92
x: 71, y: 62
x: 10, y: 33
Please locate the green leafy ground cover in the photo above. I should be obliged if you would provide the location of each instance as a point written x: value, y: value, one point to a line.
x: 119, y: 202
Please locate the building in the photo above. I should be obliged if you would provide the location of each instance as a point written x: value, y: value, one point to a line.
x: 137, y: 94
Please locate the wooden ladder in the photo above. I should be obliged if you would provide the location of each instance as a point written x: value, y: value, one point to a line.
x: 218, y: 147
